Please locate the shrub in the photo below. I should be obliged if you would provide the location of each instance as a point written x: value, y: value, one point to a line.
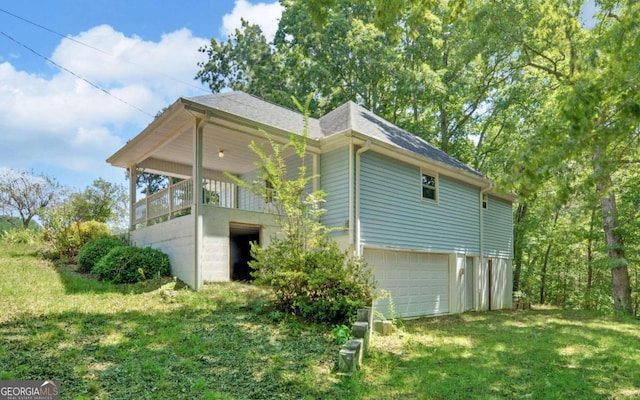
x: 330, y: 285
x: 68, y: 239
x: 130, y: 264
x: 341, y: 334
x: 94, y: 250
x: 20, y: 236
x: 308, y: 272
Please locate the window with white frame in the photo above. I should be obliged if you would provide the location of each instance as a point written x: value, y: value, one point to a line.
x: 485, y: 200
x: 429, y: 186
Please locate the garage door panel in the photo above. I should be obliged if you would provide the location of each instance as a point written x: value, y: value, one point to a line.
x: 418, y: 282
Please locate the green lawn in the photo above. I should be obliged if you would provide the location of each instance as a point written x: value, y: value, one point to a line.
x: 151, y: 341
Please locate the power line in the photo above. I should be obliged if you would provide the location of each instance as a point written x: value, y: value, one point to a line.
x: 74, y: 74
x: 97, y: 49
x: 52, y: 31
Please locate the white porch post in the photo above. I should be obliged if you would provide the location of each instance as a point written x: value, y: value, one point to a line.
x: 196, y: 208
x: 133, y: 177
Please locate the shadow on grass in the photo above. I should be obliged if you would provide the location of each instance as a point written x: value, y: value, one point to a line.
x: 186, y: 353
x: 551, y: 354
x: 80, y: 283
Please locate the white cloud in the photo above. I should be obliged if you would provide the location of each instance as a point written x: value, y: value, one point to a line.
x: 61, y: 123
x: 266, y: 15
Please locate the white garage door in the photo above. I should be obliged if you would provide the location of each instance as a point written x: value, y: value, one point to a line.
x: 418, y: 282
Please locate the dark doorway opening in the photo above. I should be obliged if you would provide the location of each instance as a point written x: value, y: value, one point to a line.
x: 240, y: 238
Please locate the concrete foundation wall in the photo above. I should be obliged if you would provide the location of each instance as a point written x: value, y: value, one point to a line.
x: 215, y: 253
x: 175, y: 238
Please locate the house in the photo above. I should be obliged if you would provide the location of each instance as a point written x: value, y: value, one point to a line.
x: 435, y: 232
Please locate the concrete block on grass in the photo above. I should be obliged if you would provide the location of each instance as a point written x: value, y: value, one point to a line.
x: 360, y: 330
x: 377, y: 326
x: 387, y: 328
x: 356, y: 345
x: 364, y: 315
x: 346, y: 361
x: 384, y: 328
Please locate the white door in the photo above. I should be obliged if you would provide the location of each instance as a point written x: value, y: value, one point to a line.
x: 418, y: 282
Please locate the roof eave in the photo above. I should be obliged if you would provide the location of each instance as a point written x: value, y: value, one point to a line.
x: 118, y: 158
x: 420, y: 160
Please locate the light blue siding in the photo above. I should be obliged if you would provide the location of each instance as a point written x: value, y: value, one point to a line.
x: 393, y: 214
x: 498, y: 228
x: 293, y: 163
x: 334, y: 180
x: 250, y: 201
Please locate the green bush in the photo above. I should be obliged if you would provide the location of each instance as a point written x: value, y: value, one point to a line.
x: 68, y: 239
x: 309, y: 274
x: 94, y: 250
x: 130, y: 264
x: 20, y: 236
x: 326, y: 286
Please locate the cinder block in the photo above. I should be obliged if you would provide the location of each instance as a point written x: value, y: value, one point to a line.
x: 356, y: 345
x: 384, y: 328
x: 360, y: 330
x: 346, y: 361
x: 387, y: 328
x: 364, y: 314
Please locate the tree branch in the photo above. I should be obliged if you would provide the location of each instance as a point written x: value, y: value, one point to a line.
x: 541, y: 67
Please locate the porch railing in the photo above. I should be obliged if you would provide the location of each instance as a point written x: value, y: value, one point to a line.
x: 177, y: 199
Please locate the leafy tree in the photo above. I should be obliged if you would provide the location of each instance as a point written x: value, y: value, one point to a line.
x: 150, y: 183
x: 102, y: 201
x: 309, y: 274
x: 594, y: 120
x: 236, y: 63
x: 81, y: 216
x: 432, y: 76
x: 25, y: 194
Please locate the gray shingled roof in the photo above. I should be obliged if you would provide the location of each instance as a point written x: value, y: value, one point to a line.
x: 354, y: 117
x: 348, y: 116
x: 253, y: 108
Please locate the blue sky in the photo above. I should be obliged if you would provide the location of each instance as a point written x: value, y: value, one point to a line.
x: 143, y: 52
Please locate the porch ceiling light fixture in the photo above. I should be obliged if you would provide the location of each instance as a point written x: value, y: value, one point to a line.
x: 221, y: 153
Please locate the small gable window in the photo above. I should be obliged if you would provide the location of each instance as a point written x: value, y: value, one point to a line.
x: 429, y: 186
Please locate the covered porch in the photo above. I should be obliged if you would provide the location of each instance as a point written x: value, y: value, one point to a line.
x: 204, y: 140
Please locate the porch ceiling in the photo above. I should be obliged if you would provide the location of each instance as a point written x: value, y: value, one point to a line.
x: 166, y: 145
x: 238, y: 157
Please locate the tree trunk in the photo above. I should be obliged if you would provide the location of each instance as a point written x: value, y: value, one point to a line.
x: 444, y: 131
x: 620, y: 282
x: 543, y: 274
x: 590, y: 250
x: 518, y: 245
x: 545, y: 262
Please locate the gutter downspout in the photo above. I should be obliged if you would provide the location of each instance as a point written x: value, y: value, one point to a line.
x: 482, y: 193
x: 351, y: 224
x: 361, y: 150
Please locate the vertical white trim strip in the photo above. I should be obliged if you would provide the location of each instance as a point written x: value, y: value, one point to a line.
x: 197, y: 200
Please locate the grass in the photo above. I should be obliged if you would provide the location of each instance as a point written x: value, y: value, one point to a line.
x: 156, y: 341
